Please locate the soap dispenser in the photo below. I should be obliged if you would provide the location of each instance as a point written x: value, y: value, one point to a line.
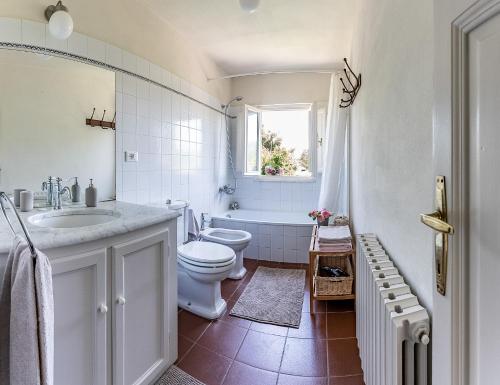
x: 75, y: 191
x: 91, y: 195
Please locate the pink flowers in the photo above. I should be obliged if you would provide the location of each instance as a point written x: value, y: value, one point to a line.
x: 320, y: 215
x: 270, y: 170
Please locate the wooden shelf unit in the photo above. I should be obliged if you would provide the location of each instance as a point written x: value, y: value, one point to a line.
x: 314, y: 253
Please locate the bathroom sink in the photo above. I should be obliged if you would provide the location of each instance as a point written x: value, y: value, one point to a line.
x: 74, y: 218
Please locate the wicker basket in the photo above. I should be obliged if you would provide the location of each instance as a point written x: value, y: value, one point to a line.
x: 333, y: 285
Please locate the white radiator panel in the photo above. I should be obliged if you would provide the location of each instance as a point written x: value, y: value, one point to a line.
x: 391, y: 326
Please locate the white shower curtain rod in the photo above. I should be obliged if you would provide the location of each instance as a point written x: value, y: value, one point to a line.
x: 277, y: 73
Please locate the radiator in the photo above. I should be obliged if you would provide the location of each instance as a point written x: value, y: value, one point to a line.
x: 391, y: 326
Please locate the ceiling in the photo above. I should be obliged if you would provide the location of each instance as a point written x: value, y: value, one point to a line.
x: 282, y: 35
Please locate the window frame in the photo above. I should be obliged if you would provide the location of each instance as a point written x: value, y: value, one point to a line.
x: 312, y: 135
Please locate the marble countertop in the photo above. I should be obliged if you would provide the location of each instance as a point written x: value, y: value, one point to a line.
x: 132, y: 217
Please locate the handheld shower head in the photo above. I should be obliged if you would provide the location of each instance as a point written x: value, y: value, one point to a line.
x: 235, y: 99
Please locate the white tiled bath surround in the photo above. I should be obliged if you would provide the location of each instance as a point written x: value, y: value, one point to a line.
x: 273, y: 242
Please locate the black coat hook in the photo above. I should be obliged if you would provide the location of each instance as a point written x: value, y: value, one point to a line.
x: 353, y: 88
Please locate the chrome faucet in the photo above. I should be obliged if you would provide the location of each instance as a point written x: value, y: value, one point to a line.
x: 204, y: 220
x: 48, y: 186
x: 57, y: 194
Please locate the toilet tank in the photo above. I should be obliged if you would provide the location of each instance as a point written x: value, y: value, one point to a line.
x: 181, y: 207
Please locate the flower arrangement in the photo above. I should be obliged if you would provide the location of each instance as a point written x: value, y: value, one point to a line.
x: 270, y: 170
x: 320, y: 215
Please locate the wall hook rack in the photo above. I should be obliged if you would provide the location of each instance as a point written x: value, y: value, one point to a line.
x: 101, y: 123
x: 351, y: 88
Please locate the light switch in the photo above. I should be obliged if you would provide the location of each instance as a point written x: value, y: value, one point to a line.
x: 131, y: 156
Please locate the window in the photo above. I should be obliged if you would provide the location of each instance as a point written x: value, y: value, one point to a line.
x: 278, y: 141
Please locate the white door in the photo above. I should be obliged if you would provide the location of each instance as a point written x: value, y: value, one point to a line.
x: 466, y: 343
x: 80, y: 318
x: 141, y: 309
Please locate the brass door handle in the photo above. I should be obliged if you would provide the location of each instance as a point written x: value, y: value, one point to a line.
x: 435, y: 221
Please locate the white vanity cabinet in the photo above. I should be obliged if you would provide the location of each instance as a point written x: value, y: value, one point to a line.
x: 141, y: 298
x: 116, y: 309
x: 80, y: 318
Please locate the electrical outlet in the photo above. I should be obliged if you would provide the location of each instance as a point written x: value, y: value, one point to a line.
x: 131, y: 156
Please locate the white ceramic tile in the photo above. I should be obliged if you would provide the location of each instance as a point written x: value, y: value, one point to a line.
x: 277, y: 255
x: 96, y: 49
x: 77, y: 44
x: 142, y: 89
x: 304, y: 230
x: 129, y: 123
x: 166, y: 130
x: 155, y: 145
x: 302, y: 256
x: 113, y: 55
x: 33, y: 33
x: 155, y: 128
x: 53, y: 43
x: 176, y: 82
x: 143, y: 67
x: 264, y: 240
x: 290, y: 242
x: 119, y: 81
x: 10, y: 30
x: 290, y: 256
x: 129, y: 62
x: 143, y: 107
x: 129, y: 181
x: 129, y: 85
x: 264, y: 253
x: 155, y: 73
x: 166, y: 77
x: 129, y: 104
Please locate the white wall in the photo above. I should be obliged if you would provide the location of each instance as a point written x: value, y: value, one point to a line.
x: 282, y: 88
x: 43, y: 106
x: 391, y: 133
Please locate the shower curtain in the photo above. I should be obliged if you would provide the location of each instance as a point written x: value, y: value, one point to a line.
x: 333, y: 192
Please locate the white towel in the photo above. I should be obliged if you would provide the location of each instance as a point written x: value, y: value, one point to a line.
x: 26, y: 343
x: 193, y: 229
x: 334, y: 234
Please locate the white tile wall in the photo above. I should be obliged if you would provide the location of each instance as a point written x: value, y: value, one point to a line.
x: 278, y: 243
x: 253, y: 194
x: 178, y: 140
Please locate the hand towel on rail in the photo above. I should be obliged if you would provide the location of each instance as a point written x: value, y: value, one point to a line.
x: 27, y: 302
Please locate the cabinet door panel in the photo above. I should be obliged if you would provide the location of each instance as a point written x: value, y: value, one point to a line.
x: 80, y: 338
x: 141, y: 343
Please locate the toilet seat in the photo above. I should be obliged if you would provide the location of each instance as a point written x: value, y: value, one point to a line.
x: 226, y: 236
x: 206, y: 254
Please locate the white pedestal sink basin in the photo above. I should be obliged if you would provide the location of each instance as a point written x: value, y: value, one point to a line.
x: 73, y: 218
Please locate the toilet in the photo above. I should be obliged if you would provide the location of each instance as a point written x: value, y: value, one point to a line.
x: 201, y: 267
x: 237, y: 240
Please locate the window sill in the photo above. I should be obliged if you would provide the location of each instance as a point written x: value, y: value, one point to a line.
x: 291, y: 179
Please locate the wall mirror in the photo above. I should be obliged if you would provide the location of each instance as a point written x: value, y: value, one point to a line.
x: 44, y: 103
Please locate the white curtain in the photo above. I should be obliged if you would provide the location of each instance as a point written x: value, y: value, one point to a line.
x: 333, y: 193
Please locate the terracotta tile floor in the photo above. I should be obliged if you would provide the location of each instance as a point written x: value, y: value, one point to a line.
x: 234, y: 351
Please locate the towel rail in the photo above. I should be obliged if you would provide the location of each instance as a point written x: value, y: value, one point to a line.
x: 3, y: 196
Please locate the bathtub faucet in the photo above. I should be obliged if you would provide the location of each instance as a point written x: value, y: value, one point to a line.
x: 205, y: 220
x: 228, y: 189
x: 234, y: 206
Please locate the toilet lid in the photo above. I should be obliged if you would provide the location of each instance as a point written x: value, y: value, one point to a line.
x: 206, y: 252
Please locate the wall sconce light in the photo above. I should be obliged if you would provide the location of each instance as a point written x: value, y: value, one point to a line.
x: 60, y: 21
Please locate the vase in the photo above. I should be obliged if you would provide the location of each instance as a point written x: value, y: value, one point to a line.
x: 323, y: 222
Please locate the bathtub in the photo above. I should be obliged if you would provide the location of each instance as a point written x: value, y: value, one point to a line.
x: 276, y: 235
